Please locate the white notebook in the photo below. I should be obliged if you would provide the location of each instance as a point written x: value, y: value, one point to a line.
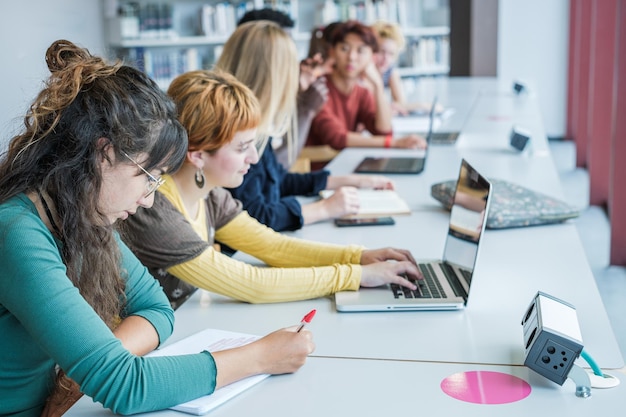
x: 376, y: 203
x: 213, y: 341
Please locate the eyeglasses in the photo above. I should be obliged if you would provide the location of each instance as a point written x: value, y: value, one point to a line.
x: 153, y: 182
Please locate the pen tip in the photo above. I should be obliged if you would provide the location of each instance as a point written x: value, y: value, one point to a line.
x: 309, y: 316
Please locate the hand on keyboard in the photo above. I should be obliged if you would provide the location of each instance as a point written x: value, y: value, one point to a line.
x: 386, y: 254
x: 381, y: 273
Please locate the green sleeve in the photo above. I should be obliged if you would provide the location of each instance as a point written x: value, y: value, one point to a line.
x: 43, y: 313
x: 144, y: 296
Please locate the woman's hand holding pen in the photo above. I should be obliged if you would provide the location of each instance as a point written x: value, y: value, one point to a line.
x: 281, y: 352
x: 285, y: 350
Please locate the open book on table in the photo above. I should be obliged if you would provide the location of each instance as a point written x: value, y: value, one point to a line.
x: 377, y: 203
x: 213, y: 341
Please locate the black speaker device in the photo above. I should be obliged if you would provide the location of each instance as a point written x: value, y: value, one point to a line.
x: 518, y: 87
x: 519, y: 138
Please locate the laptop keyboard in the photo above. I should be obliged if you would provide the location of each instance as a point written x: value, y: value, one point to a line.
x: 467, y: 275
x: 458, y: 289
x: 429, y: 287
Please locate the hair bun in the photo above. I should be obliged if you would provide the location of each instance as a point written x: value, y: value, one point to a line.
x: 63, y: 53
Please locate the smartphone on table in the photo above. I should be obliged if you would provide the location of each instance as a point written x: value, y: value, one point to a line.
x: 364, y: 221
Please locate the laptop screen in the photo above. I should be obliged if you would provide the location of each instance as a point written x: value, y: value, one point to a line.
x: 467, y: 218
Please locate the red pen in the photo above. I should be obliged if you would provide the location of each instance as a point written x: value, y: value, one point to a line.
x: 306, y: 319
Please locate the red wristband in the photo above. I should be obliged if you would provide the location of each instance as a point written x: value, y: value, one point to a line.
x: 388, y: 139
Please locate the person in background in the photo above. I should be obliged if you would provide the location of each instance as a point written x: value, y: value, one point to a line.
x: 262, y: 56
x: 349, y: 103
x: 391, y: 44
x: 73, y: 298
x: 320, y: 45
x: 312, y: 92
x: 191, y: 210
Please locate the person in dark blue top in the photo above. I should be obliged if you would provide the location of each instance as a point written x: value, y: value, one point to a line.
x: 269, y: 191
x: 263, y: 56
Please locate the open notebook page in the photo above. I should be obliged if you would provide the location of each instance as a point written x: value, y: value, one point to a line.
x: 212, y: 340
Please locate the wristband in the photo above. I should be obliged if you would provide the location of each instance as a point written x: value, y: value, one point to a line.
x: 388, y: 139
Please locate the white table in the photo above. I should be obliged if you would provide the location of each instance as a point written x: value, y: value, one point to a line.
x: 392, y: 363
x: 513, y: 265
x: 364, y: 388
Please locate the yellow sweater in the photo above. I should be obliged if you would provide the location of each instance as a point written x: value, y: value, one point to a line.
x: 300, y: 269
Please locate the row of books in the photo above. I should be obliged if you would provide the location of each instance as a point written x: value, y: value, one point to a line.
x: 367, y: 11
x: 154, y: 20
x: 164, y: 66
x: 220, y: 19
x: 146, y: 20
x: 427, y: 52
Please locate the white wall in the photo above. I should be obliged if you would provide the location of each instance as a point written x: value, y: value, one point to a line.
x: 533, y: 46
x: 27, y: 28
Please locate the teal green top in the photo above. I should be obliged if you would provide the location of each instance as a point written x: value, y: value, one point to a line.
x: 45, y: 321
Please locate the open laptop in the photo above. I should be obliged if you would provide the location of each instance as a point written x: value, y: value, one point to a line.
x: 396, y: 164
x: 446, y: 284
x: 442, y: 137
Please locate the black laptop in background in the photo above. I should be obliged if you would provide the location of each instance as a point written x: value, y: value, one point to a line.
x: 397, y: 164
x: 444, y: 138
x: 440, y: 137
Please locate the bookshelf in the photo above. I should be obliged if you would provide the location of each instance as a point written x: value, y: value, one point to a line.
x: 168, y: 37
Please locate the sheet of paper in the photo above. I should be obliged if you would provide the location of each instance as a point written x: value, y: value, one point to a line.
x: 212, y: 340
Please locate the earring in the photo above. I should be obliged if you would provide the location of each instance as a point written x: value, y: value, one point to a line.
x: 199, y: 178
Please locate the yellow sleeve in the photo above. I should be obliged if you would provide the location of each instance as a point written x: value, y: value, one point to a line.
x: 246, y: 234
x: 297, y: 279
x: 221, y: 274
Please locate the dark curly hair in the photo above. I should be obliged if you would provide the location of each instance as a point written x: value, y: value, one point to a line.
x: 58, y: 154
x: 366, y: 33
x: 282, y: 19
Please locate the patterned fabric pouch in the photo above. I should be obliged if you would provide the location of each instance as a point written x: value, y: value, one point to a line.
x: 513, y: 205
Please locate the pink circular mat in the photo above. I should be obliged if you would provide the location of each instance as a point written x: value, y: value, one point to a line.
x: 484, y: 387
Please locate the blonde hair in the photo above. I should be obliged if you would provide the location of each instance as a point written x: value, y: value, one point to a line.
x: 388, y: 30
x: 263, y: 56
x: 213, y: 106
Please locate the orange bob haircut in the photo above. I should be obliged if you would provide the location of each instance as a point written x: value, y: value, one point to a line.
x: 213, y: 106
